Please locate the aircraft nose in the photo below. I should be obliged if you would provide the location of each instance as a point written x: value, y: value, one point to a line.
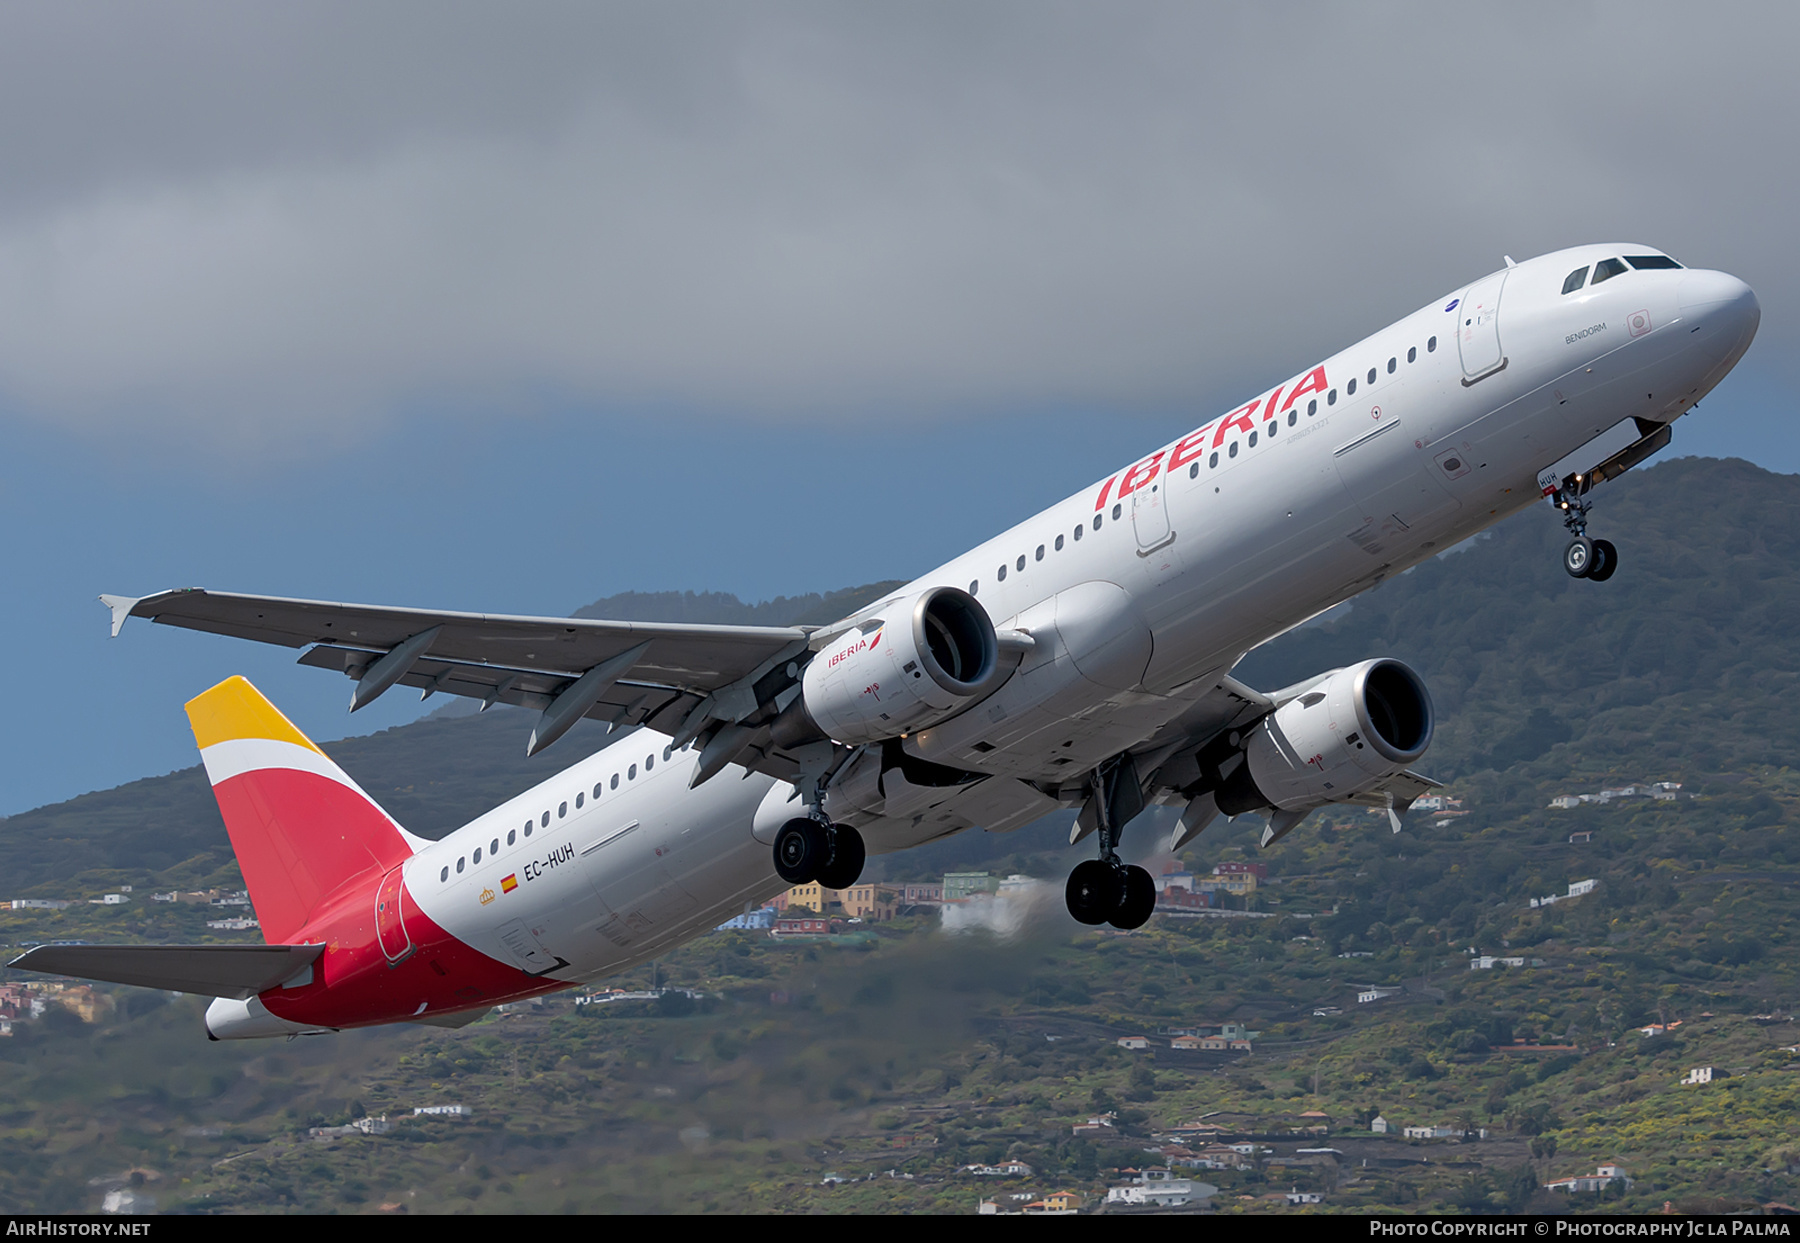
x: 1720, y: 297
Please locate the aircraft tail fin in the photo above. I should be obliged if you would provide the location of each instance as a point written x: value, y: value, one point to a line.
x: 300, y: 827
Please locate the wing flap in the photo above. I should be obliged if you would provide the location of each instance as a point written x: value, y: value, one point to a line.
x: 238, y: 971
x: 626, y: 702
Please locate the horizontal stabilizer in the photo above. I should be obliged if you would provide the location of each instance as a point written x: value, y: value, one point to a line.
x: 458, y: 1018
x: 238, y: 971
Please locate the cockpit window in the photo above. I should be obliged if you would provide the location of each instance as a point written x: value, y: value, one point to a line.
x: 1576, y: 279
x: 1649, y: 263
x: 1606, y: 269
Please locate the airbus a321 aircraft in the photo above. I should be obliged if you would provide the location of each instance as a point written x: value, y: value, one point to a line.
x: 1081, y: 659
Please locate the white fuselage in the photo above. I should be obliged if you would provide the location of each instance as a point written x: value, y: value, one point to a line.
x: 1140, y: 591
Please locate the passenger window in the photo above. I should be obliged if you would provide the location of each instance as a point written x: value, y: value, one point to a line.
x: 649, y: 762
x: 1097, y: 518
x: 1431, y: 346
x: 1079, y: 530
x: 1312, y: 407
x: 546, y: 819
x: 667, y: 752
x: 598, y: 786
x: 1059, y: 543
x: 1232, y: 451
x: 512, y: 836
x: 579, y: 800
x: 528, y: 825
x: 1350, y: 388
x: 1576, y: 280
x: 1214, y: 459
x: 1372, y: 375
x: 1412, y: 353
x: 445, y: 874
x: 1021, y: 561
x: 631, y: 773
x: 1040, y: 552
x: 1194, y: 471
x: 1270, y: 428
x: 1253, y: 440
x: 459, y: 866
x: 975, y: 586
x: 615, y: 781
x: 477, y: 855
x: 1606, y: 269
x: 1000, y: 574
x: 1293, y: 417
x: 494, y: 847
x: 562, y: 809
x: 1331, y: 397
x: 1117, y: 510
x: 1392, y: 363
x: 1649, y: 263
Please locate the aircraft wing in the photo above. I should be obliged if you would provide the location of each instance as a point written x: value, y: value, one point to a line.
x: 1226, y: 705
x: 658, y: 674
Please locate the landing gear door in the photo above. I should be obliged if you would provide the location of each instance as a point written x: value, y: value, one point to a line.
x: 1478, y: 328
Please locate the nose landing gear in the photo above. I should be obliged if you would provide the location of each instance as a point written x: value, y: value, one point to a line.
x: 1592, y: 559
x: 1105, y: 890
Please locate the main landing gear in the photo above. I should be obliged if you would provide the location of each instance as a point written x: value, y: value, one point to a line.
x: 1593, y: 559
x: 808, y: 850
x: 1104, y: 890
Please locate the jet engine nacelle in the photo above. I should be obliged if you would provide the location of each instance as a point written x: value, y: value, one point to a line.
x: 926, y: 658
x: 1351, y: 730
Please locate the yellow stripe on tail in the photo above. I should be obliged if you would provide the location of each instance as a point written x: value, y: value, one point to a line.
x: 235, y: 709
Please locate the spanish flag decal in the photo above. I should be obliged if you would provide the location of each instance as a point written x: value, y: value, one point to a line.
x: 509, y: 882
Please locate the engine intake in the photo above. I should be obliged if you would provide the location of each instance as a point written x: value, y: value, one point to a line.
x: 924, y: 659
x: 1348, y: 732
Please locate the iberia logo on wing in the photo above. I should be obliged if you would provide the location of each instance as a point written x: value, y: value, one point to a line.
x: 509, y: 882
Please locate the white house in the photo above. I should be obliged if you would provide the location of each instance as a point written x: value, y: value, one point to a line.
x: 1161, y: 1190
x: 1603, y: 1177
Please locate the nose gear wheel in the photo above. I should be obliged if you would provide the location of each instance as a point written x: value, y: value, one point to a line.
x: 1592, y: 559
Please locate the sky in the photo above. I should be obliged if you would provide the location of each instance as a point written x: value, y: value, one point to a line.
x: 511, y: 308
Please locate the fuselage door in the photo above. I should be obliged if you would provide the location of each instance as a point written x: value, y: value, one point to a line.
x: 390, y: 922
x: 1478, y: 328
x: 1150, y: 512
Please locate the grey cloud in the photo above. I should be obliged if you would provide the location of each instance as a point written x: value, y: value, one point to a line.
x: 219, y: 220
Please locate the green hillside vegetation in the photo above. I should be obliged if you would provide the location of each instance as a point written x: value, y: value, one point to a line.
x: 916, y: 1050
